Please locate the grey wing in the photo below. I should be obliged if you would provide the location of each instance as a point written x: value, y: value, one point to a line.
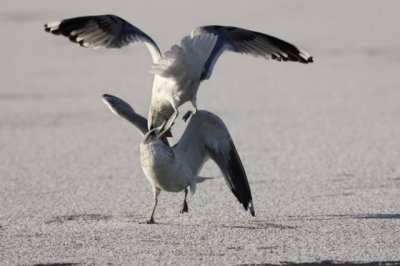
x: 207, y: 132
x: 108, y: 31
x: 123, y: 109
x: 231, y: 167
x: 249, y: 42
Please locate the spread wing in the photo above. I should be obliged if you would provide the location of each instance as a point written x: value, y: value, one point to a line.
x: 107, y: 31
x: 248, y: 42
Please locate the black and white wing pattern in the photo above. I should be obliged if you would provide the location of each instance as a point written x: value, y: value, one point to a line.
x: 249, y: 42
x: 107, y: 31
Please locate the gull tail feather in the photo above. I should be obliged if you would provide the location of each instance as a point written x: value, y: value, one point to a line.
x: 201, y: 179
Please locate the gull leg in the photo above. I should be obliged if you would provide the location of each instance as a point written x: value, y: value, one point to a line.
x: 185, y: 207
x: 156, y: 191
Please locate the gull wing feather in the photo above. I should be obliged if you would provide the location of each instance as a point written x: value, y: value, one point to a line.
x: 206, y: 137
x: 231, y: 166
x: 248, y: 42
x: 109, y: 31
x: 123, y: 109
x: 184, y: 63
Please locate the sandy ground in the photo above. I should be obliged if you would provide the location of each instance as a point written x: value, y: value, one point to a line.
x: 320, y: 143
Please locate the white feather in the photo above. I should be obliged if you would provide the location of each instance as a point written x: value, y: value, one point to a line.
x: 53, y: 25
x: 185, y: 62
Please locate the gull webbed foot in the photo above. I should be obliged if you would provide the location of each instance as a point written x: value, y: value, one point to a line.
x: 185, y: 207
x: 151, y: 221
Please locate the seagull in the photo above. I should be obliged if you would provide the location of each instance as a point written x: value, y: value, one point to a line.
x: 179, y: 71
x: 176, y: 168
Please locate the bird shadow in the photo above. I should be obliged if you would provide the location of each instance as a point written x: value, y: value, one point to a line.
x: 365, y: 216
x: 56, y: 264
x: 247, y: 225
x: 86, y: 217
x: 258, y: 224
x: 368, y: 216
x: 141, y: 220
x: 330, y: 263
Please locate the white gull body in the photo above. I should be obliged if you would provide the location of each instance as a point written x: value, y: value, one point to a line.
x: 176, y: 168
x: 179, y: 72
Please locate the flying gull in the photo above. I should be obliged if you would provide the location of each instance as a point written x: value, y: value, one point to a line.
x: 176, y: 168
x: 179, y: 72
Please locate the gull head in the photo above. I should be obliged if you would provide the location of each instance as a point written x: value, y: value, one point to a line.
x: 157, y: 133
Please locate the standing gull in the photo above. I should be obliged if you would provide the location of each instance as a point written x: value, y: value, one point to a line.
x: 180, y: 70
x: 177, y: 168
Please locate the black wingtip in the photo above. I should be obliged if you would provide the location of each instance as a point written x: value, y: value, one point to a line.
x: 250, y: 206
x: 48, y: 28
x: 238, y: 182
x: 105, y: 96
x: 301, y: 57
x: 112, y: 100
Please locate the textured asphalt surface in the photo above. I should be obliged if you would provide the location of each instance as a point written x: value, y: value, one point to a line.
x: 320, y: 142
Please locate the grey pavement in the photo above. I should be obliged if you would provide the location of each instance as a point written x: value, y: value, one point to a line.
x: 320, y: 142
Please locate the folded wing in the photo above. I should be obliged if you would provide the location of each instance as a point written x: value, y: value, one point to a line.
x: 228, y: 161
x: 206, y: 136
